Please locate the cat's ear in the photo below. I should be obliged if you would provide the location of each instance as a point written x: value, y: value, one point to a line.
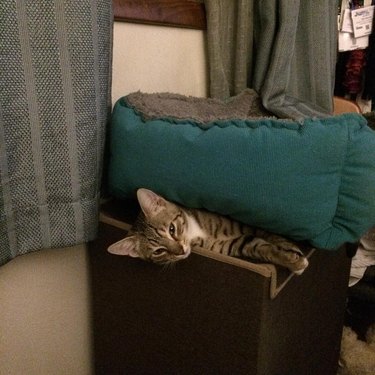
x: 128, y: 246
x: 151, y: 203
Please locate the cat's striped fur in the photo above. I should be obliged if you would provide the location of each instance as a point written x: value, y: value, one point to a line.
x: 165, y: 232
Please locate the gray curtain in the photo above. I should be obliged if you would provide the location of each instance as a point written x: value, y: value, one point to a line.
x: 285, y: 50
x: 55, y: 58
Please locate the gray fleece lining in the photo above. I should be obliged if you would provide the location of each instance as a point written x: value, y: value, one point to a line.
x: 246, y: 105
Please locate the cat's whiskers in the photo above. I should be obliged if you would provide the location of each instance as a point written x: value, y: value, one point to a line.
x: 168, y: 265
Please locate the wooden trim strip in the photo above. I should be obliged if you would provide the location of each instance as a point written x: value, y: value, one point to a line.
x: 179, y: 13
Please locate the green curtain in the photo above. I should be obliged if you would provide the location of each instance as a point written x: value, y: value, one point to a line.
x: 285, y: 50
x: 55, y: 79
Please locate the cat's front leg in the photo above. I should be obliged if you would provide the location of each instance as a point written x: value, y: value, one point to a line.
x: 285, y: 254
x: 278, y: 240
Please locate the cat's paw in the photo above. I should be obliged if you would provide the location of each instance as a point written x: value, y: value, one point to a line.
x: 297, y: 262
x: 302, y: 266
x: 292, y: 258
x: 290, y: 247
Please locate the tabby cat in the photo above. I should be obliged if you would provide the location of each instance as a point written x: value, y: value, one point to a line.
x: 165, y: 233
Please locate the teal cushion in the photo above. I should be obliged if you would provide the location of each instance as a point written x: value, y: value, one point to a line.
x: 310, y: 181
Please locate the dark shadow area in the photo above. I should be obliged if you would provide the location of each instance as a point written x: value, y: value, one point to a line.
x: 360, y: 314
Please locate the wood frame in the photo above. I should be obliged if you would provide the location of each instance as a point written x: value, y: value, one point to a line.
x: 178, y: 13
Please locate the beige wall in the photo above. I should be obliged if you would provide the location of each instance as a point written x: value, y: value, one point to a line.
x: 158, y: 59
x: 44, y: 296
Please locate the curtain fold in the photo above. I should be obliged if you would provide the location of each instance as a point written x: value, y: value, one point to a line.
x: 55, y: 70
x: 285, y: 50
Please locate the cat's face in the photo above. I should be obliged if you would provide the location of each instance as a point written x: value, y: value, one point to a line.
x: 159, y: 234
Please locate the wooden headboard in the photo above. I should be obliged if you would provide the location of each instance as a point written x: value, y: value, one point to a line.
x: 178, y: 13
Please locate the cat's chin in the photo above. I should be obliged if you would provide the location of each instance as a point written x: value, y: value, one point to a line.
x: 178, y: 258
x: 171, y: 261
x: 183, y: 256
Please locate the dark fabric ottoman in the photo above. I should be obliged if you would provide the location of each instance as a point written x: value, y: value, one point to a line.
x: 215, y: 316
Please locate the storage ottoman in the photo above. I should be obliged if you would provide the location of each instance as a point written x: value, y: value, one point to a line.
x: 214, y: 315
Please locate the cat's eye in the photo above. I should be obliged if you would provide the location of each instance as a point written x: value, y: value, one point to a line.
x: 158, y: 251
x: 172, y: 230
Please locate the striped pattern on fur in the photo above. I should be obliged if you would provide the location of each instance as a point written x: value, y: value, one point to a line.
x: 165, y: 232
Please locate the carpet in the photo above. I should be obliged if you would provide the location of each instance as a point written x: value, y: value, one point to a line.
x: 357, y: 357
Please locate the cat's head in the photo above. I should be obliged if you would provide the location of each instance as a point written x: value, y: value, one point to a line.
x: 157, y: 234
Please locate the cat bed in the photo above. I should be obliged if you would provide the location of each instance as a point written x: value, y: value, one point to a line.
x: 312, y: 180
